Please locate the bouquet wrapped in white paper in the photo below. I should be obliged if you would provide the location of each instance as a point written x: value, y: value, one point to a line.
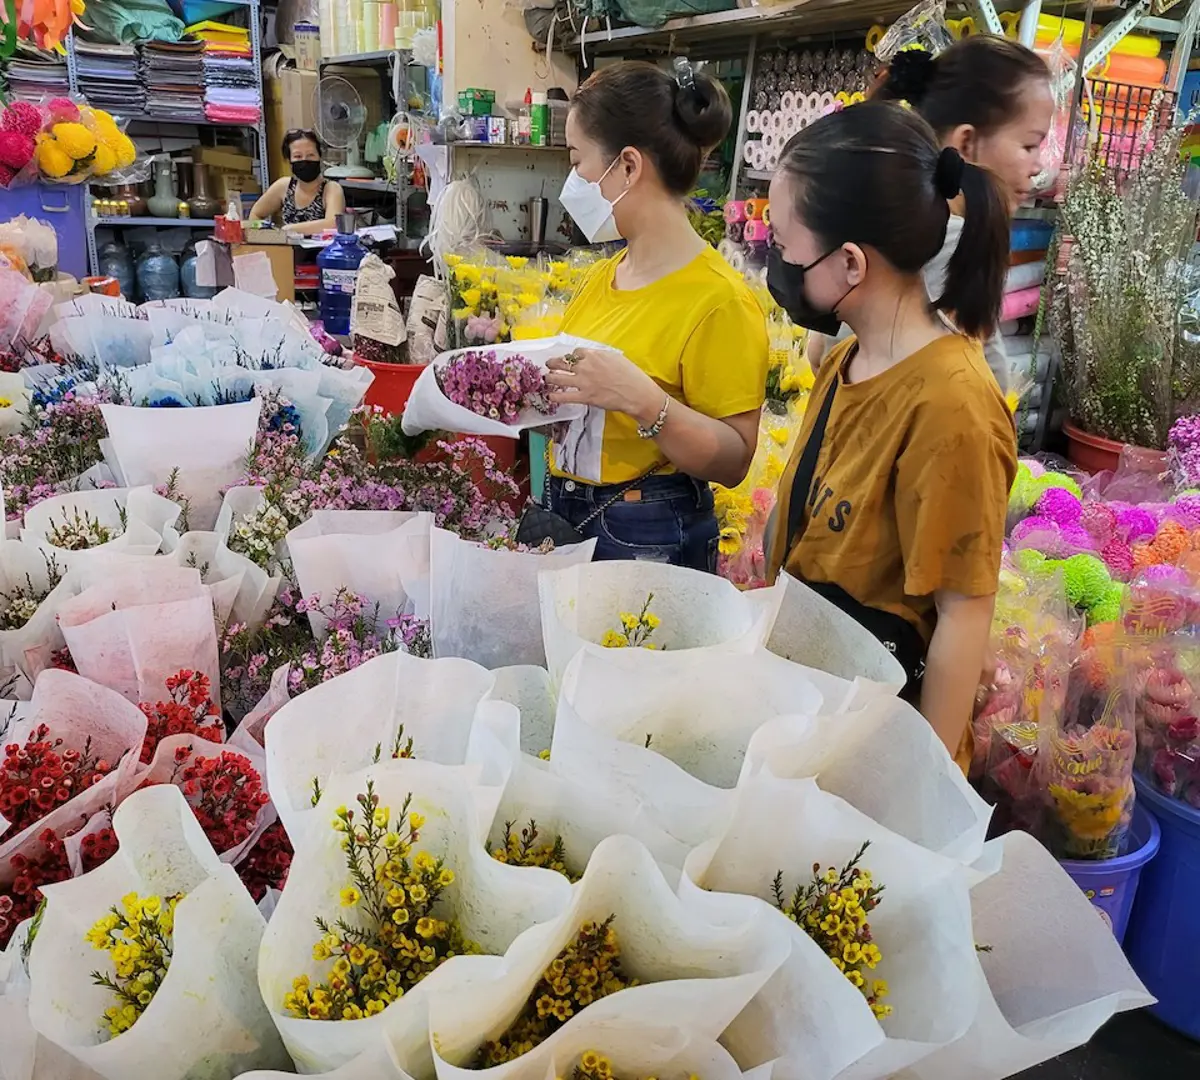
x: 340, y: 726
x: 429, y: 409
x: 82, y: 526
x: 203, y: 448
x: 811, y: 1019
x: 379, y: 1062
x: 1051, y: 977
x: 382, y: 555
x: 97, y: 725
x: 693, y: 975
x: 206, y: 1020
x: 248, y: 525
x: 491, y: 904
x: 14, y: 402
x: 685, y: 608
x: 110, y: 341
x: 139, y: 625
x: 885, y: 760
x: 484, y: 602
x: 528, y: 688
x: 33, y: 587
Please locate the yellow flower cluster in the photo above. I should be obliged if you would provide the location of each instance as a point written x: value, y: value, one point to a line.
x: 635, y: 630
x: 137, y: 937
x: 395, y: 940
x: 832, y: 909
x: 494, y: 298
x: 588, y: 969
x: 523, y: 850
x: 595, y: 1066
x: 92, y: 144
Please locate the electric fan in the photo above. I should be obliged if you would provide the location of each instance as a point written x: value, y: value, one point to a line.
x: 340, y: 117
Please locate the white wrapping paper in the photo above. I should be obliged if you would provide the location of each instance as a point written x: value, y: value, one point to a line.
x: 27, y: 649
x: 492, y: 902
x: 378, y: 1062
x: 484, y: 603
x: 699, y: 612
x: 380, y: 554
x: 695, y: 976
x: 149, y: 522
x: 809, y: 1016
x: 885, y: 760
x: 335, y: 727
x: 529, y: 689
x: 428, y: 409
x: 207, y: 445
x: 1054, y: 975
x: 141, y: 625
x: 206, y: 1020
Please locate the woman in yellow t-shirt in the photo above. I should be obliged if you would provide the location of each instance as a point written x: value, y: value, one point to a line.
x: 893, y: 504
x: 676, y: 393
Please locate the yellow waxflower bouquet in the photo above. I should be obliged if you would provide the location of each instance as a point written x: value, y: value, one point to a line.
x: 137, y: 937
x: 744, y: 512
x: 396, y: 938
x: 523, y: 849
x: 636, y: 630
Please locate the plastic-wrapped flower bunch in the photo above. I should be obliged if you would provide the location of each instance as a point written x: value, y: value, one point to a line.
x: 20, y: 123
x: 1183, y: 452
x: 1167, y: 727
x: 81, y: 142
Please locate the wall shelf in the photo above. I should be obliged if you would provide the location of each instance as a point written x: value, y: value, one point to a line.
x: 160, y: 222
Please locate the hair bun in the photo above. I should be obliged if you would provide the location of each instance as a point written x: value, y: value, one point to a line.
x: 909, y: 75
x: 703, y: 110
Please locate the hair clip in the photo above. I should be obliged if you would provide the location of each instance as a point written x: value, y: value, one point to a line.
x: 685, y: 74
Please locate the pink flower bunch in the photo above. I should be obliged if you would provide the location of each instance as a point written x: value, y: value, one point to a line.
x: 1060, y: 506
x: 498, y: 387
x: 484, y: 329
x: 1183, y: 448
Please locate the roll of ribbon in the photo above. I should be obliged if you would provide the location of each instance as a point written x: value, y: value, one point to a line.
x: 735, y: 210
x: 812, y: 105
x: 749, y: 151
x: 857, y: 98
x: 777, y: 121
x: 1019, y: 304
x: 726, y: 249
x: 1010, y: 20
x: 734, y: 231
x: 753, y: 122
x: 961, y: 28
x: 842, y: 98
x: 825, y: 102
x: 874, y: 36
x: 787, y: 101
x: 738, y: 261
x: 767, y: 214
x: 1024, y: 277
x: 755, y: 208
x: 756, y: 231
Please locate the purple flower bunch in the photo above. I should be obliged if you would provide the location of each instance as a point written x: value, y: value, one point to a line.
x: 1183, y: 446
x: 354, y: 634
x: 498, y: 387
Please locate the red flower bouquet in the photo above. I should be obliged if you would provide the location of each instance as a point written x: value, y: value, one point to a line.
x: 267, y: 865
x: 19, y: 899
x: 188, y: 710
x: 41, y: 775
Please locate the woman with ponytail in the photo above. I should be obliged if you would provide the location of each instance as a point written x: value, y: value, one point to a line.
x: 893, y: 504
x: 990, y: 99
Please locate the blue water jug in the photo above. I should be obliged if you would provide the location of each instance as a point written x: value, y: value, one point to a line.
x: 187, y: 276
x: 338, y: 265
x: 116, y: 262
x: 157, y: 274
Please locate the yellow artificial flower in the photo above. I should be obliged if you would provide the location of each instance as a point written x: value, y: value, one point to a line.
x: 516, y: 262
x: 75, y: 139
x: 471, y: 297
x: 467, y: 274
x: 53, y: 160
x: 350, y: 896
x: 452, y: 261
x: 123, y: 149
x: 104, y: 161
x: 730, y: 541
x: 459, y: 314
x: 528, y: 299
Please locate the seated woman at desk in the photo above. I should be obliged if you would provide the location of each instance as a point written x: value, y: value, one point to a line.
x: 307, y: 202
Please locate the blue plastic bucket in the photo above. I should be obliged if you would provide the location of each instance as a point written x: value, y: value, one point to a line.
x: 1164, y: 933
x: 1111, y: 884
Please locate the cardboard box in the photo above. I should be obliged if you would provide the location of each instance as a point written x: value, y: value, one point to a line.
x: 234, y: 185
x: 289, y: 105
x: 224, y: 158
x: 282, y: 265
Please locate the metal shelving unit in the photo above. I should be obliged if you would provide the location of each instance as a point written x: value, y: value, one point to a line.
x: 396, y: 61
x: 91, y: 222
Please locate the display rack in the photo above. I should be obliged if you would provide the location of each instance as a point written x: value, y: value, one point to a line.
x: 92, y: 222
x: 396, y: 62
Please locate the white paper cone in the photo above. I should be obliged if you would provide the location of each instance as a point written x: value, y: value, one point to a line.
x: 378, y: 554
x: 528, y: 688
x: 428, y: 409
x: 27, y: 650
x: 699, y: 612
x: 695, y: 976
x: 484, y: 604
x: 492, y: 902
x: 207, y: 445
x: 809, y: 1015
x: 376, y: 1063
x: 253, y: 725
x: 885, y: 760
x: 811, y: 631
x: 149, y: 521
x: 335, y: 727
x: 96, y: 304
x: 76, y: 710
x: 697, y: 710
x: 1054, y: 975
x: 206, y: 1020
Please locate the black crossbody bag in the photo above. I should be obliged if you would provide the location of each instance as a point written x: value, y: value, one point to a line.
x: 897, y: 634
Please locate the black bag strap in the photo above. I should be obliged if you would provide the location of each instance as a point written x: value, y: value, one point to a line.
x: 802, y: 484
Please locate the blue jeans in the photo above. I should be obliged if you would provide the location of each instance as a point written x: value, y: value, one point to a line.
x: 670, y: 520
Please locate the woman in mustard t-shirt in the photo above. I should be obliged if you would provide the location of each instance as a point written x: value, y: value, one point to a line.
x: 893, y: 504
x: 676, y: 396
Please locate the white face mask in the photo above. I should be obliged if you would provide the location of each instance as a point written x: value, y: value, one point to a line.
x: 588, y: 207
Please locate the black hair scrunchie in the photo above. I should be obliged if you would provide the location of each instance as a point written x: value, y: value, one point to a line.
x: 948, y: 173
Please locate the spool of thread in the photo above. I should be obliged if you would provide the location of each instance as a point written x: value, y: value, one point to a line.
x: 756, y: 230
x: 734, y: 231
x: 874, y: 36
x: 755, y: 208
x: 753, y: 122
x: 735, y: 210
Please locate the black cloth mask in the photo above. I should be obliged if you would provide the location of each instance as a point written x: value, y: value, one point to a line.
x: 306, y: 171
x: 785, y: 282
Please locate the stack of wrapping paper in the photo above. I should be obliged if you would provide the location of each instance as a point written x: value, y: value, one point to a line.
x: 173, y: 74
x: 108, y: 77
x: 231, y: 92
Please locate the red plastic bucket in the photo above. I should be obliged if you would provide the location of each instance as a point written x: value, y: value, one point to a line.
x: 392, y: 386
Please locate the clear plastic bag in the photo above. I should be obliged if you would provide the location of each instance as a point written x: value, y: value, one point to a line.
x: 923, y: 27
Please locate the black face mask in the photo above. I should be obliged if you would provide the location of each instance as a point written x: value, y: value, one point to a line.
x: 306, y: 171
x: 785, y: 282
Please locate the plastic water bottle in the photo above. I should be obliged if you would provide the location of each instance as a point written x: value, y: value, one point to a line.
x: 338, y: 265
